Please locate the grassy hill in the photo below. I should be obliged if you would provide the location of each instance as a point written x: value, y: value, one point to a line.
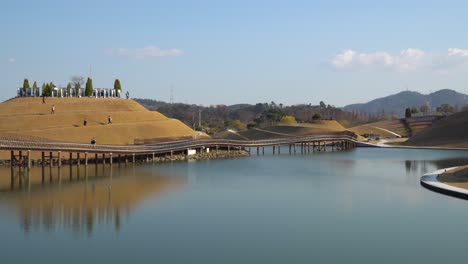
x: 322, y: 127
x: 29, y: 119
x: 405, y: 127
x: 448, y: 132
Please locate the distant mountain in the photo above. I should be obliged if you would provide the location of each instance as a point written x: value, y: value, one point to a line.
x: 397, y: 103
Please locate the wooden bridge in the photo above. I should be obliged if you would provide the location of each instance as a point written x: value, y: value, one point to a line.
x: 52, y: 152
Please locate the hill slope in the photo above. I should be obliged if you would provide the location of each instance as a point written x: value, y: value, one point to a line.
x: 29, y: 119
x: 448, y: 132
x: 322, y: 127
x: 397, y: 103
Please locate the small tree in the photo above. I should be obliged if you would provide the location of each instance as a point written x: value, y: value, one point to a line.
x: 89, y: 87
x: 446, y: 109
x: 117, y: 86
x: 77, y: 79
x: 34, y: 88
x: 46, y: 90
x: 288, y: 120
x: 77, y: 89
x: 414, y: 110
x: 408, y: 112
x: 69, y: 87
x: 25, y: 85
x: 424, y: 109
x: 316, y: 116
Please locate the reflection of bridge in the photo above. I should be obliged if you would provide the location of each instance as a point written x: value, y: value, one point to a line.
x: 115, y: 152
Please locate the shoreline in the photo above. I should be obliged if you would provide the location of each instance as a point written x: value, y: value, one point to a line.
x: 451, y: 181
x: 213, y: 155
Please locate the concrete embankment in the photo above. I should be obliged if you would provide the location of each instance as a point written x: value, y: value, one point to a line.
x: 449, y: 181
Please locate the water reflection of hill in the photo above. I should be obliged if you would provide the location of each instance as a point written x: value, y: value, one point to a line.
x: 421, y: 165
x: 81, y: 206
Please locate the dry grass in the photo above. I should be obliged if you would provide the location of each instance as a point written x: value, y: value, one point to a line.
x: 371, y: 130
x: 330, y: 127
x: 29, y: 118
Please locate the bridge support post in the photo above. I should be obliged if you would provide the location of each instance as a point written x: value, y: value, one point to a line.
x: 96, y: 158
x: 103, y: 158
x: 258, y: 151
x: 43, y: 159
x: 294, y: 145
x: 172, y: 153
x: 133, y: 158
x: 279, y: 149
x: 110, y: 158
x: 70, y: 160
x: 289, y: 149
x: 229, y: 148
x: 86, y: 158
x: 152, y: 160
x: 78, y: 162
x: 29, y: 160
x: 274, y: 150
x: 59, y: 159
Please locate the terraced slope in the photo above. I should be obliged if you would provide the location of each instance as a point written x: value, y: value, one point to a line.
x: 324, y: 127
x: 405, y: 127
x: 30, y: 119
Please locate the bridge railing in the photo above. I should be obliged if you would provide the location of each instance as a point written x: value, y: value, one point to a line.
x: 163, y: 146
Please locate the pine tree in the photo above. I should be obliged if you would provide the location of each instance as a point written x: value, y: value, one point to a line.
x: 69, y: 87
x: 34, y: 88
x: 89, y: 87
x: 77, y: 89
x: 46, y: 90
x: 25, y: 86
x: 117, y: 85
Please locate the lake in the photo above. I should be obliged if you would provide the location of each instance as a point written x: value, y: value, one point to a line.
x: 362, y: 206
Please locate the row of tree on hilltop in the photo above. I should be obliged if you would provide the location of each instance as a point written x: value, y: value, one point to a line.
x: 443, y: 109
x: 76, y: 82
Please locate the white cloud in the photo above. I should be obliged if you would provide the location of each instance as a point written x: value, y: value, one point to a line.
x: 11, y: 60
x: 145, y: 52
x: 407, y: 60
x: 458, y: 52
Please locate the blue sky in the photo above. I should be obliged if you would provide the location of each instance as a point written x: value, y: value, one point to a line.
x: 214, y: 52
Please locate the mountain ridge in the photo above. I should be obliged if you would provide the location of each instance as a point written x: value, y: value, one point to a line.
x: 397, y: 103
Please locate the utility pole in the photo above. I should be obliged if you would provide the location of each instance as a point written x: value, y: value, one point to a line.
x: 199, y: 118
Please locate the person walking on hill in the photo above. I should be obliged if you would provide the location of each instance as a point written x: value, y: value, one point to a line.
x: 52, y: 111
x: 43, y: 98
x: 93, y: 141
x: 109, y: 120
x: 85, y: 122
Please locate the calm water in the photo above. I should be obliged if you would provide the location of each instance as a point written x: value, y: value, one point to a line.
x: 364, y: 206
